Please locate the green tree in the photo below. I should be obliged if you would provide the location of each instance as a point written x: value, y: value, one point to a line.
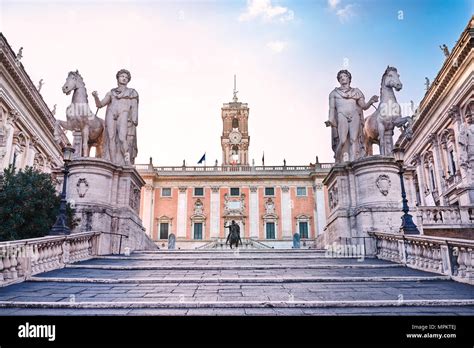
x: 29, y: 204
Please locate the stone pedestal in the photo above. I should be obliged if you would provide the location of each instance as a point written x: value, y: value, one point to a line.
x: 363, y: 196
x: 107, y: 199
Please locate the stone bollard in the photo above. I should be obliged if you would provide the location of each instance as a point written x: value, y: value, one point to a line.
x: 126, y: 251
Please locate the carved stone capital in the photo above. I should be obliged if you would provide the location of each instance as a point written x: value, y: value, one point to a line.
x: 433, y: 139
x: 148, y: 187
x: 34, y: 141
x: 13, y: 116
x: 318, y: 186
x: 416, y: 160
x: 215, y: 189
x: 182, y: 189
x: 285, y: 188
x: 454, y: 113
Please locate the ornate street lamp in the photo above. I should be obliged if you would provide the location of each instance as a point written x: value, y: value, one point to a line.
x: 60, y: 227
x: 408, y: 226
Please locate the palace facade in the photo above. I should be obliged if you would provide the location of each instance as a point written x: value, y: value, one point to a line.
x: 26, y: 122
x: 270, y: 203
x: 439, y: 157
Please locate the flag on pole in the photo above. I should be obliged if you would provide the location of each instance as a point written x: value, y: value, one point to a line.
x: 203, y: 159
x: 263, y: 158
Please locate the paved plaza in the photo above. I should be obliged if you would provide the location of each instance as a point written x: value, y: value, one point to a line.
x: 249, y: 282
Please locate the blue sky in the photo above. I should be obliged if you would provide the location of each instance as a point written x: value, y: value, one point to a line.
x: 182, y: 56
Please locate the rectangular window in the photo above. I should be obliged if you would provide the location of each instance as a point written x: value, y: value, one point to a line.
x: 304, y: 229
x: 270, y: 227
x: 166, y: 192
x: 269, y: 191
x: 235, y: 191
x: 198, y: 230
x: 301, y: 191
x: 199, y: 191
x: 164, y: 226
x: 452, y: 168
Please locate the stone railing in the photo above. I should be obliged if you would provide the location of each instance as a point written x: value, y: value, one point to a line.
x: 448, y: 256
x: 324, y: 167
x: 22, y: 259
x: 439, y: 216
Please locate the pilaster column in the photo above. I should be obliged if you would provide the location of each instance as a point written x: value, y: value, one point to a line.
x: 215, y: 211
x: 437, y: 163
x: 147, y: 209
x: 319, y: 208
x: 253, y: 212
x: 182, y: 212
x: 286, y: 208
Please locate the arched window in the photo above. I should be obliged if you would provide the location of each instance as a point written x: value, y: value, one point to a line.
x: 234, y: 158
x: 235, y: 123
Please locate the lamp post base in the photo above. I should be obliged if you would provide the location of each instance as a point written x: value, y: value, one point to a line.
x: 408, y: 226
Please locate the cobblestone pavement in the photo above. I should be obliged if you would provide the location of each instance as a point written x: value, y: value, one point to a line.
x: 247, y: 283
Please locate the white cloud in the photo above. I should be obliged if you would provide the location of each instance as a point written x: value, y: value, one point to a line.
x: 277, y: 46
x: 264, y: 9
x: 343, y: 13
x: 333, y: 3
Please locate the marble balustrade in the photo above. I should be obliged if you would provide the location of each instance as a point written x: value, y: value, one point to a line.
x: 448, y: 256
x: 22, y: 259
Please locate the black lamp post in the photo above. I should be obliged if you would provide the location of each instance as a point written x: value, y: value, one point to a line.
x: 60, y: 227
x: 408, y: 226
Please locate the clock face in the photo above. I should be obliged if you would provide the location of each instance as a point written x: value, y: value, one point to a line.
x: 235, y: 137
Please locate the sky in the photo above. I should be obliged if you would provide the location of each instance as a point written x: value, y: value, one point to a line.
x: 183, y: 55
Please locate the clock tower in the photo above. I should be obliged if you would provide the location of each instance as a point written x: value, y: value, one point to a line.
x: 235, y: 138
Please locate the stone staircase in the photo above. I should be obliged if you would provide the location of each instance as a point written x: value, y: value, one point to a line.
x: 236, y: 282
x: 247, y: 243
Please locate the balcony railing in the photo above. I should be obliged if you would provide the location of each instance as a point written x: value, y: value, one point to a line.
x: 439, y: 216
x: 177, y: 170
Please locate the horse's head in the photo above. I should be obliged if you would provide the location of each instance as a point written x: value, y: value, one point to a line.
x: 73, y: 80
x: 391, y: 78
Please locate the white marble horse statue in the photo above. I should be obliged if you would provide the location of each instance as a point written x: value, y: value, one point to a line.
x: 378, y: 127
x: 79, y: 117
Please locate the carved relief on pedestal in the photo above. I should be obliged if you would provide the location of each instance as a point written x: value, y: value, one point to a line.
x: 134, y: 201
x: 333, y: 197
x: 383, y: 183
x: 82, y: 187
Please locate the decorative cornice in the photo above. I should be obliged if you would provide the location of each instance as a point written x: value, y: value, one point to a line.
x: 26, y: 86
x: 451, y: 65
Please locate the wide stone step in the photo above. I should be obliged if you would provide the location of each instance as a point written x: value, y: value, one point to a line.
x: 230, y: 251
x: 234, y: 262
x: 96, y: 272
x: 147, y: 266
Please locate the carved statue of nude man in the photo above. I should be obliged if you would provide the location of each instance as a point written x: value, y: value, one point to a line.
x: 121, y: 118
x: 346, y: 119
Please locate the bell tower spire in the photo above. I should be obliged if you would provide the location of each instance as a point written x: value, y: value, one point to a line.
x: 235, y: 139
x: 235, y: 89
